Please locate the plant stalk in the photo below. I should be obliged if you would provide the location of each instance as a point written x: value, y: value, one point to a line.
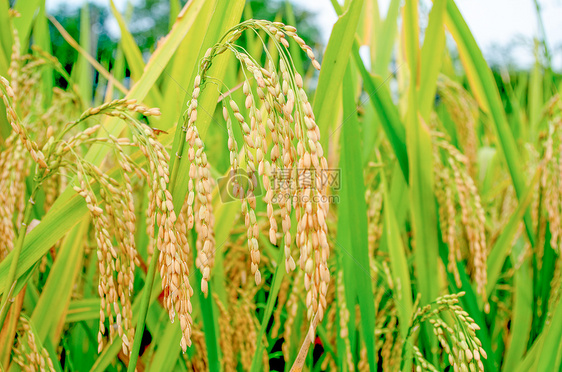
x: 17, y: 252
x: 150, y: 275
x: 145, y: 302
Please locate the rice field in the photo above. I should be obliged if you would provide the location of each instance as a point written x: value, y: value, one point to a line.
x: 242, y: 198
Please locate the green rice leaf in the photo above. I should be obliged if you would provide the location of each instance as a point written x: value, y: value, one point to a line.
x: 485, y: 89
x: 353, y: 201
x: 335, y: 62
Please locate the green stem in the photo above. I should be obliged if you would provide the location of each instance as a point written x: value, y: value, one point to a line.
x: 143, y: 311
x: 17, y: 251
x: 145, y: 302
x: 176, y: 162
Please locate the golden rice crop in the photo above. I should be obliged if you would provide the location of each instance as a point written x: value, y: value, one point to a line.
x: 285, y: 215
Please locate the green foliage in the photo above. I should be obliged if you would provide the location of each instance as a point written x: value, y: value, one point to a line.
x: 442, y: 169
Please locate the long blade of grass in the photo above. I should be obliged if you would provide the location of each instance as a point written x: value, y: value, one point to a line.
x: 67, y: 211
x: 210, y: 324
x: 522, y: 316
x: 175, y: 8
x: 431, y: 57
x: 52, y: 228
x: 226, y: 15
x: 145, y: 301
x: 168, y: 349
x: 86, y: 309
x: 133, y: 56
x: 293, y: 47
x: 420, y: 158
x: 271, y: 299
x: 23, y: 23
x: 385, y: 42
x: 385, y: 110
x: 50, y: 311
x: 42, y: 38
x: 87, y: 55
x: 552, y: 335
x: 181, y: 72
x: 5, y: 34
x: 421, y: 177
x: 5, y: 56
x: 225, y: 217
x: 530, y: 360
x: 353, y: 186
x: 335, y: 62
x: 486, y: 91
x: 501, y: 248
x: 470, y: 303
x: 112, y: 349
x: 84, y: 76
x: 535, y: 97
x: 5, y: 53
x: 130, y: 48
x: 517, y: 117
x: 399, y: 264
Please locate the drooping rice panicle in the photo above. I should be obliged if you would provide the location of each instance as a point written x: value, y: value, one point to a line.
x: 29, y: 354
x: 302, y: 166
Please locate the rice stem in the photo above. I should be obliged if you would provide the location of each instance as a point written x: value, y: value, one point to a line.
x: 143, y: 311
x: 17, y: 252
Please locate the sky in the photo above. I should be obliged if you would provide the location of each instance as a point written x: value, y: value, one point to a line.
x: 496, y: 25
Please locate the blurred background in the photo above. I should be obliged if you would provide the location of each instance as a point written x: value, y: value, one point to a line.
x: 511, y: 33
x: 506, y: 30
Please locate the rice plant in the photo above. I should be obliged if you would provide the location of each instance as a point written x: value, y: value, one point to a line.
x: 247, y: 200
